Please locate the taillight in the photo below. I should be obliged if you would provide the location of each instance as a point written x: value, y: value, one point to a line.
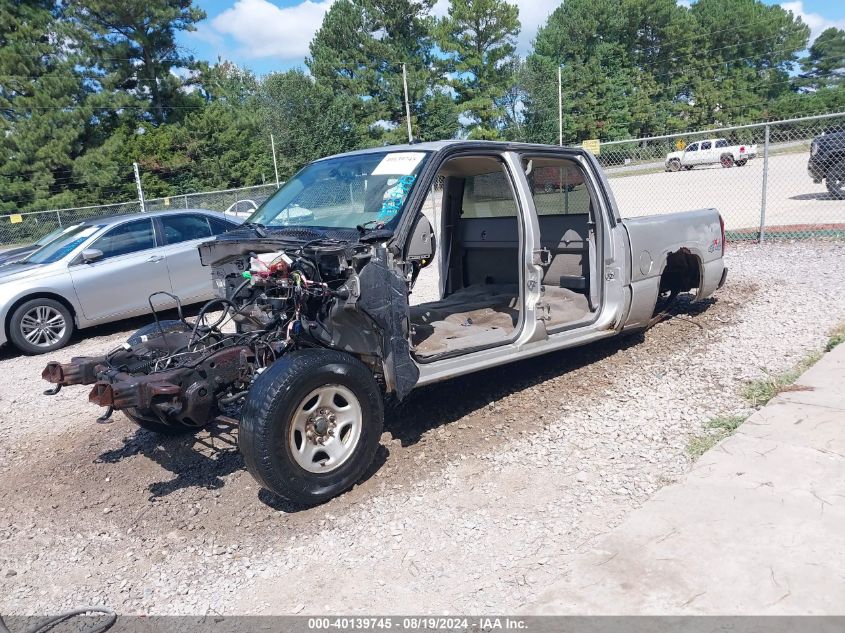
x: 722, y: 227
x: 742, y: 149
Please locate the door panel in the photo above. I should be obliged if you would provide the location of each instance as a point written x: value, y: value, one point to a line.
x: 191, y: 280
x: 119, y: 285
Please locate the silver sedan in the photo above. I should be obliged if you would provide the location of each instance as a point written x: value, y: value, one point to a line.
x: 102, y: 270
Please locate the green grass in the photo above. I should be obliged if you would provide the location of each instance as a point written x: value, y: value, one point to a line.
x: 837, y: 337
x: 759, y: 392
x: 717, y: 429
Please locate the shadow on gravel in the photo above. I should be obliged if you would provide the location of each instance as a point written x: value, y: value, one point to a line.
x: 443, y: 403
x: 197, y: 461
x: 816, y: 195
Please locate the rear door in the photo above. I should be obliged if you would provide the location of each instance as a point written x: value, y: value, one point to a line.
x: 182, y: 234
x: 130, y: 270
x: 706, y: 153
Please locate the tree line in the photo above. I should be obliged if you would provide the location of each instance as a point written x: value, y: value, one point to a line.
x: 87, y: 87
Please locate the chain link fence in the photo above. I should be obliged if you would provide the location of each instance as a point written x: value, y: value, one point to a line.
x: 39, y: 226
x: 769, y: 181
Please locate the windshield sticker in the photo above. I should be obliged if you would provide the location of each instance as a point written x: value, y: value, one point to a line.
x: 394, y: 198
x: 398, y: 164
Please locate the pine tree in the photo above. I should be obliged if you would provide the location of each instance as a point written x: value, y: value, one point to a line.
x: 41, y: 118
x: 479, y: 38
x: 825, y: 65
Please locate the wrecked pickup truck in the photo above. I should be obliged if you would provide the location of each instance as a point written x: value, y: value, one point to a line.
x: 506, y: 250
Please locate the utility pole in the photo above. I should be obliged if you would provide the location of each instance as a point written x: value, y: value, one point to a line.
x: 275, y: 166
x: 559, y: 107
x: 140, y: 190
x: 407, y: 104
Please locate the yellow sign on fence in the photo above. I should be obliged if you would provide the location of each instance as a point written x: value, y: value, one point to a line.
x: 592, y: 145
x: 16, y: 218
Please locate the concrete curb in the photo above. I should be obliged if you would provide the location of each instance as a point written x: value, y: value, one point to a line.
x: 757, y: 527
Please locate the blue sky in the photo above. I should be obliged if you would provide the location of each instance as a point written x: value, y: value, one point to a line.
x: 271, y: 35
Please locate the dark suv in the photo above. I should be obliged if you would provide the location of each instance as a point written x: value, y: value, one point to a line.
x: 827, y: 162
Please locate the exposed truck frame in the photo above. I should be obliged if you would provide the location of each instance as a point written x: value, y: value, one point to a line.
x: 324, y: 329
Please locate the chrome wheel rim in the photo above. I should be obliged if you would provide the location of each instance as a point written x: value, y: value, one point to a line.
x: 326, y: 429
x: 43, y: 326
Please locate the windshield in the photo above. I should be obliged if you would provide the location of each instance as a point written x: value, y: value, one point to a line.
x: 61, y: 246
x: 367, y: 190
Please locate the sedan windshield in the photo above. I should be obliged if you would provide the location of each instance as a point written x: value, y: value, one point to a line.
x: 61, y: 246
x: 367, y: 190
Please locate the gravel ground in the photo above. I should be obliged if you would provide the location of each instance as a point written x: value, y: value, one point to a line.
x: 481, y: 489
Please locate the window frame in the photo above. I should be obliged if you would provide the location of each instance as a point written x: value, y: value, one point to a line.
x: 161, y: 228
x: 109, y: 230
x: 692, y: 147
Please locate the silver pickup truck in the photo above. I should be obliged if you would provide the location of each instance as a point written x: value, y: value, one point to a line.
x: 506, y: 251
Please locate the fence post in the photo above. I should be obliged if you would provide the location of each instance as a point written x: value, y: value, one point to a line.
x: 765, y: 186
x: 275, y: 166
x: 140, y: 191
x: 59, y: 218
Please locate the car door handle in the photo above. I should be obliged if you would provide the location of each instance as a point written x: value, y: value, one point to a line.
x: 155, y: 258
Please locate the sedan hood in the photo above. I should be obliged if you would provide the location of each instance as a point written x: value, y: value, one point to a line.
x: 13, y: 254
x: 12, y: 272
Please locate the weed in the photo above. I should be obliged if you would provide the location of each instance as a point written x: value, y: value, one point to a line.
x: 718, y: 429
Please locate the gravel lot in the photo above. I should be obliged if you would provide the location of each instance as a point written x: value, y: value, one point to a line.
x: 482, y: 487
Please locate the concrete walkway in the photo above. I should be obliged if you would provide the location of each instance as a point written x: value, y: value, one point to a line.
x: 757, y: 526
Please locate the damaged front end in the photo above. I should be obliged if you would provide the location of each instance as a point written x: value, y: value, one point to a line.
x: 276, y: 293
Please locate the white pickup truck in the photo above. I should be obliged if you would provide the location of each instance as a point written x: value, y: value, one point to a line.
x: 709, y: 152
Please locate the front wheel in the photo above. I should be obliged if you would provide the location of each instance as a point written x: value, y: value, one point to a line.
x: 674, y: 165
x: 40, y: 325
x: 311, y: 425
x: 835, y: 181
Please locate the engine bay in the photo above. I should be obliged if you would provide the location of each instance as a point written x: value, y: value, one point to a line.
x: 274, y: 295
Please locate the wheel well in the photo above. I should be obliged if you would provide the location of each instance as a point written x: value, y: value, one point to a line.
x: 682, y: 272
x: 36, y: 295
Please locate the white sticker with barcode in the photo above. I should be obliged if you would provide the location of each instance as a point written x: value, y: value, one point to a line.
x: 398, y: 164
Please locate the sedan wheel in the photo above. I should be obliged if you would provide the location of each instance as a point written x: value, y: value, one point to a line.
x: 40, y: 325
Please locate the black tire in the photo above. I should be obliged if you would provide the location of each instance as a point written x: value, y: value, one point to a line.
x: 267, y: 424
x: 23, y: 316
x: 147, y: 420
x: 688, y: 167
x: 727, y: 161
x: 742, y: 162
x: 835, y: 181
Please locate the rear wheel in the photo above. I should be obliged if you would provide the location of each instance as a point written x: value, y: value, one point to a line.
x: 835, y: 180
x: 40, y: 325
x: 727, y: 161
x: 674, y: 165
x: 311, y: 425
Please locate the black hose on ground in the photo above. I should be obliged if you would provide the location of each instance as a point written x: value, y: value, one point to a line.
x: 53, y: 620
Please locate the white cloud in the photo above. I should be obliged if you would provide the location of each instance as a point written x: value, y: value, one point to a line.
x: 815, y: 21
x: 262, y: 29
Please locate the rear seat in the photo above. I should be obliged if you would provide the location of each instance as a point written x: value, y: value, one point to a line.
x: 491, y: 250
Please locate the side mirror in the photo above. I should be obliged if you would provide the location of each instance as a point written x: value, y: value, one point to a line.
x: 421, y: 246
x: 91, y: 255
